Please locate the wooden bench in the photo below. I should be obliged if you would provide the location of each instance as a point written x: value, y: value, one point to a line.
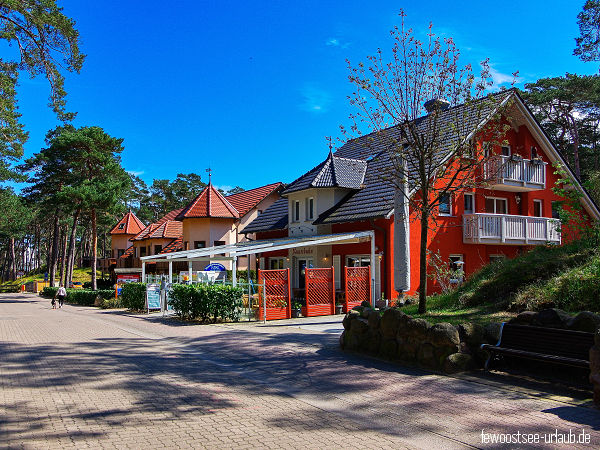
x: 553, y: 345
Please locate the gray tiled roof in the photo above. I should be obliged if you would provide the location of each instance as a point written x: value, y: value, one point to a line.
x: 335, y: 171
x: 374, y: 196
x: 275, y: 217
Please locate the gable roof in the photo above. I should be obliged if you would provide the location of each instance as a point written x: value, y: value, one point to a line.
x: 245, y: 201
x: 164, y: 228
x: 209, y: 203
x: 174, y: 246
x: 375, y: 198
x: 335, y: 171
x: 130, y: 225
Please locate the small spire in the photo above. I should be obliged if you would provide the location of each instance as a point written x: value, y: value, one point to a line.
x: 209, y: 170
x: 330, y: 146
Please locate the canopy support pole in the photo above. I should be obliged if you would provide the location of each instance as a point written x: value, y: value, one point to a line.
x: 143, y: 271
x: 234, y: 271
x: 170, y: 271
x: 373, y: 265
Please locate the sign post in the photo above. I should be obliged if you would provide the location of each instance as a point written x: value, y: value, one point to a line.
x: 152, y: 297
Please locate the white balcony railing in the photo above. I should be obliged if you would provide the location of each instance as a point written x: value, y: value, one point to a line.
x: 516, y: 173
x: 507, y: 229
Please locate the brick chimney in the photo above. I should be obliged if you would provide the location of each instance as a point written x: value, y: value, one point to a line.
x: 434, y: 104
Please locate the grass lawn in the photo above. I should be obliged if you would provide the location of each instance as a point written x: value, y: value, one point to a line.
x: 79, y: 274
x: 439, y: 309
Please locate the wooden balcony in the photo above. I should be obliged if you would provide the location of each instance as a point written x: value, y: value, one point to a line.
x: 519, y: 175
x: 510, y: 230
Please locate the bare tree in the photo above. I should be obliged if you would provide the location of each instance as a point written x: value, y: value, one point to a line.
x: 432, y: 115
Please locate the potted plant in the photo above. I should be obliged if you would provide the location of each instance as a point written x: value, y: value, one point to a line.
x: 296, y: 309
x: 339, y: 307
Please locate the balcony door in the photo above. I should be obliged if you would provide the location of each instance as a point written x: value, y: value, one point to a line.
x: 495, y: 205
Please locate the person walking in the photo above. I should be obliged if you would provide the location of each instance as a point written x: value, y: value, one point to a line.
x: 61, y: 294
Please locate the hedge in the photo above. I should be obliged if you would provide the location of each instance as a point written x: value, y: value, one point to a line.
x: 133, y: 296
x: 206, y: 301
x: 82, y: 297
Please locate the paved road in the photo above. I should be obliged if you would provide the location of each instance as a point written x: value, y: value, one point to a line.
x: 82, y: 377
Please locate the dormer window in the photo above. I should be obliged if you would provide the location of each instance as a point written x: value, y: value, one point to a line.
x: 310, y: 208
x: 296, y: 211
x: 121, y: 226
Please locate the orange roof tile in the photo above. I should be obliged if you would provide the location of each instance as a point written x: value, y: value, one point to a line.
x: 245, y: 201
x: 129, y: 224
x: 165, y: 228
x: 128, y: 253
x: 209, y: 203
x: 174, y: 246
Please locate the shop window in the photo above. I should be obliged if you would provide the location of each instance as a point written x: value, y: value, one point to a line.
x: 199, y: 244
x: 276, y: 263
x: 445, y: 206
x: 469, y: 203
x: 358, y: 261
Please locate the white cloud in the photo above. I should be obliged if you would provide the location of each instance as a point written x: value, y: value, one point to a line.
x: 225, y: 188
x: 335, y: 42
x: 135, y: 173
x: 500, y: 78
x: 316, y: 100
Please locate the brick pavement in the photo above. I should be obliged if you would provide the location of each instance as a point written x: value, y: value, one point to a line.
x: 81, y: 377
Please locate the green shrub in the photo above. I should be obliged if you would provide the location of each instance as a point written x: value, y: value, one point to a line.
x: 111, y: 303
x: 242, y: 275
x: 205, y: 301
x: 133, y: 296
x: 86, y: 297
x: 48, y: 292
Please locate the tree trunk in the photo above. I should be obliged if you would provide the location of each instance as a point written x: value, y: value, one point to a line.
x: 63, y: 254
x: 423, y: 263
x: 54, y: 250
x: 13, y: 262
x: 71, y: 253
x: 94, y: 250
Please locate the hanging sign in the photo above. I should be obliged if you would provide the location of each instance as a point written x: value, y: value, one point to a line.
x: 153, y: 296
x: 215, y: 267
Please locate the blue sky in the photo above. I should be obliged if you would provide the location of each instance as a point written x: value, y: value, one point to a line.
x: 252, y: 89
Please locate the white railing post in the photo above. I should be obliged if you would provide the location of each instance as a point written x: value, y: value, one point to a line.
x: 503, y: 228
x: 526, y: 230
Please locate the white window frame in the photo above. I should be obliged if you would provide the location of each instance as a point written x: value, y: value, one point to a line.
x: 502, y: 147
x: 495, y: 206
x: 310, y: 208
x: 449, y: 214
x: 472, y: 195
x: 296, y: 211
x: 541, y: 203
x: 486, y: 149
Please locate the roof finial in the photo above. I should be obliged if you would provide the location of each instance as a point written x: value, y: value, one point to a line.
x: 330, y: 145
x: 209, y: 170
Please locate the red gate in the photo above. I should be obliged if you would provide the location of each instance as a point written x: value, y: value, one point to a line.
x: 277, y: 291
x: 358, y: 286
x: 320, y: 292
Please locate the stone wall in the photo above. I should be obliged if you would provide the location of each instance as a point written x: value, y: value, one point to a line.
x: 395, y: 335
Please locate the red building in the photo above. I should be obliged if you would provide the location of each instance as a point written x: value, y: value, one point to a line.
x: 347, y: 192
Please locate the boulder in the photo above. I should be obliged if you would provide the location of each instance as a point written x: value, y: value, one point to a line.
x: 374, y: 319
x: 365, y: 312
x: 348, y: 318
x: 390, y: 322
x: 472, y: 334
x: 597, y: 339
x: 552, y: 318
x: 359, y: 326
x: 372, y: 342
x: 416, y: 328
x: 595, y: 371
x: 342, y: 339
x: 365, y: 304
x: 584, y: 321
x: 458, y: 362
x: 388, y: 348
x: 525, y: 318
x: 443, y: 335
x: 492, y: 332
x: 426, y: 356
